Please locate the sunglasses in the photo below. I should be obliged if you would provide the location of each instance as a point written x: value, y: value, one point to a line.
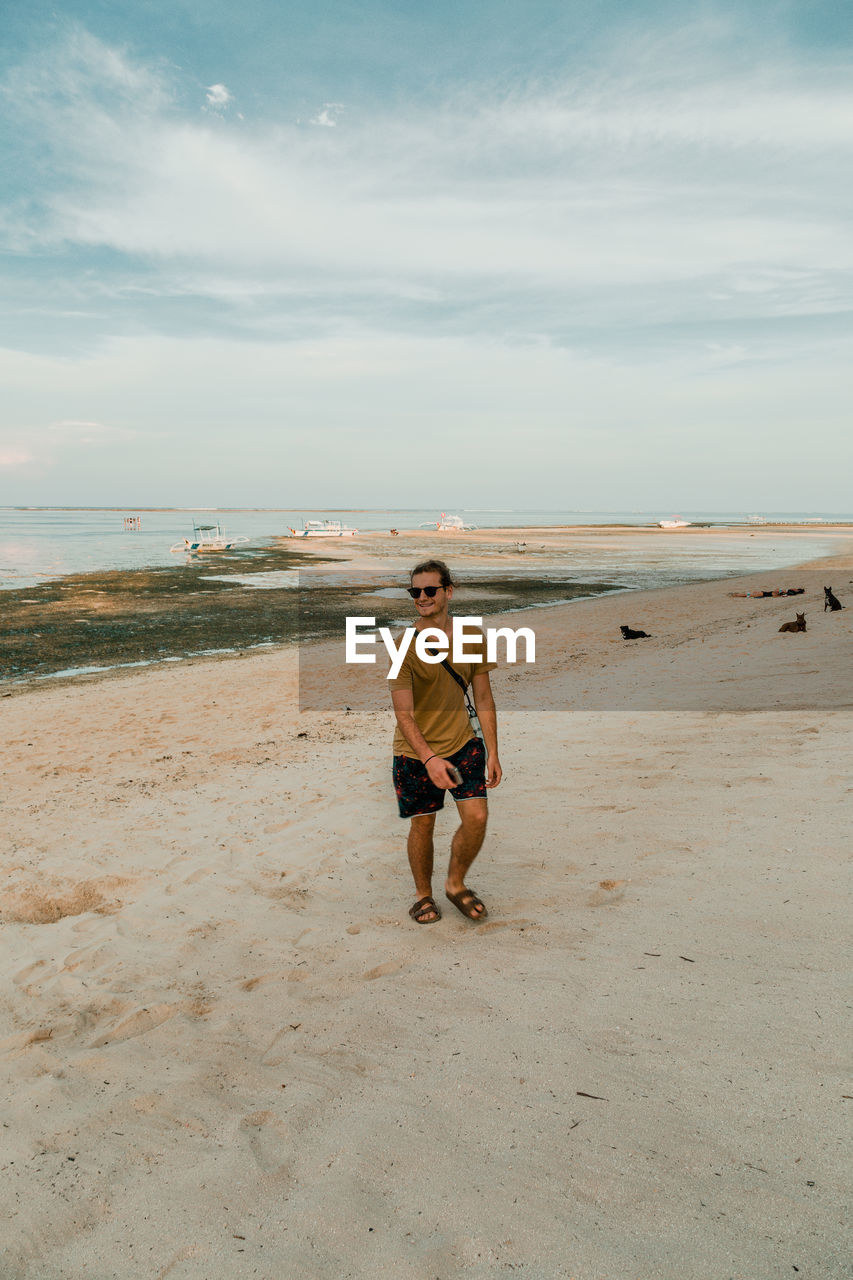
x: 429, y: 592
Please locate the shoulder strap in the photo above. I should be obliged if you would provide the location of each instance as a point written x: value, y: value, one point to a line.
x: 445, y: 662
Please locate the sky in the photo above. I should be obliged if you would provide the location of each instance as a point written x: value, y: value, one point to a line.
x: 581, y: 254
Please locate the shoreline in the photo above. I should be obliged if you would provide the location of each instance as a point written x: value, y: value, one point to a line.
x: 322, y: 653
x: 94, y: 624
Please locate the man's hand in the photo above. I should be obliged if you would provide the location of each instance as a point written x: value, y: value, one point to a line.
x: 439, y: 772
x: 494, y: 772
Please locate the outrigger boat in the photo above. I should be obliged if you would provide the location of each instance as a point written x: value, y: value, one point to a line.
x: 323, y: 529
x: 677, y: 522
x: 207, y: 538
x: 447, y: 524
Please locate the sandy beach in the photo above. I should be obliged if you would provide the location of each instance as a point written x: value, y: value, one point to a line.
x: 229, y: 1053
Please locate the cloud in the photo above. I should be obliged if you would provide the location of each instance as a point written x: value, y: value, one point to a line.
x: 617, y: 237
x: 596, y: 184
x: 320, y: 421
x: 328, y: 116
x: 218, y: 96
x: 76, y: 431
x: 10, y: 458
x: 74, y: 424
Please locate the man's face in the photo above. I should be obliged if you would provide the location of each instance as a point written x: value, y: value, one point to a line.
x: 426, y: 607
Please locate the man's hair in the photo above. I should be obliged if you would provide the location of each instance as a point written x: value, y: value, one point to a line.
x: 434, y: 566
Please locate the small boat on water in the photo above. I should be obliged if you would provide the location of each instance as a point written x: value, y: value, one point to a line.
x: 207, y: 538
x: 447, y: 524
x: 323, y: 529
x: 675, y: 522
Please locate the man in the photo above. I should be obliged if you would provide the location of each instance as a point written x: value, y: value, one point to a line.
x: 434, y: 739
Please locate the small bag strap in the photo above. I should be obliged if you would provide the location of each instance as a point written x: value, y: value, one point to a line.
x: 445, y: 662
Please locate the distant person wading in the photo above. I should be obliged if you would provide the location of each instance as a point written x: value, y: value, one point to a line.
x: 436, y: 749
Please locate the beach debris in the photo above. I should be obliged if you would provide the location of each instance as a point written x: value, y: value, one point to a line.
x: 595, y: 1096
x: 687, y: 958
x: 765, y: 595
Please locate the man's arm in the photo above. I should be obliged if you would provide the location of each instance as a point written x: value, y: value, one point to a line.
x: 484, y: 704
x: 437, y: 767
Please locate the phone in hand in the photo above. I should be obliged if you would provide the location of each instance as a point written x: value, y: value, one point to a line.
x: 455, y: 774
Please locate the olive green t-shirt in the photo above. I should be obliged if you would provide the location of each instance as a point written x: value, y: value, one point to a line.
x: 439, y: 709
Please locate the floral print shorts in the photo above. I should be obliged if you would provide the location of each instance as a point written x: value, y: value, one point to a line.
x: 417, y: 793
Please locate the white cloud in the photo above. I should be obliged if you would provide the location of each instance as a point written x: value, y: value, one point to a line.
x: 598, y: 184
x: 77, y: 431
x: 10, y: 458
x: 292, y: 423
x: 218, y: 96
x: 75, y: 424
x: 622, y: 207
x: 328, y: 115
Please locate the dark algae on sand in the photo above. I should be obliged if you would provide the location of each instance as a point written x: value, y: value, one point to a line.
x: 144, y: 615
x: 203, y: 606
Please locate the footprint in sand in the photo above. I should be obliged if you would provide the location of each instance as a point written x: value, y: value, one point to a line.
x: 23, y: 1039
x: 385, y: 970
x: 24, y: 977
x: 502, y: 924
x: 608, y: 892
x: 267, y: 1140
x: 137, y: 1023
x: 279, y: 976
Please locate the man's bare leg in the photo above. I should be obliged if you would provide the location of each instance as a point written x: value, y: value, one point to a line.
x: 421, y: 854
x: 467, y: 843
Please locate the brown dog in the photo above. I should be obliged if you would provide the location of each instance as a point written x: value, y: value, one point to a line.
x: 799, y: 625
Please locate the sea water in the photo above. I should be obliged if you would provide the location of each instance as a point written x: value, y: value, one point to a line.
x: 40, y: 544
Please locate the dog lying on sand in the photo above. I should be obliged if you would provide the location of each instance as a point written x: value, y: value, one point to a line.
x: 830, y: 601
x: 628, y: 633
x: 799, y: 625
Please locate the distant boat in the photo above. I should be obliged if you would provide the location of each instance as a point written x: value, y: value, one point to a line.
x: 323, y: 529
x: 207, y: 538
x: 447, y: 524
x: 756, y: 520
x: 676, y: 522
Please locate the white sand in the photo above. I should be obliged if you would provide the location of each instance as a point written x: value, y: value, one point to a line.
x: 231, y: 1053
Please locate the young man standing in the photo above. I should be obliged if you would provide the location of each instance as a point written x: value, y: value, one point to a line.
x: 434, y: 744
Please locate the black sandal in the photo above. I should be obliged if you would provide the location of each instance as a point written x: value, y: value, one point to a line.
x: 465, y: 902
x: 424, y: 908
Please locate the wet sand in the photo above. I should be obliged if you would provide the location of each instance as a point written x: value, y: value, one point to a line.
x: 299, y: 590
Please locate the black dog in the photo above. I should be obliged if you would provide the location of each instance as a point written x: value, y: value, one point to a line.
x: 629, y: 634
x: 830, y: 601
